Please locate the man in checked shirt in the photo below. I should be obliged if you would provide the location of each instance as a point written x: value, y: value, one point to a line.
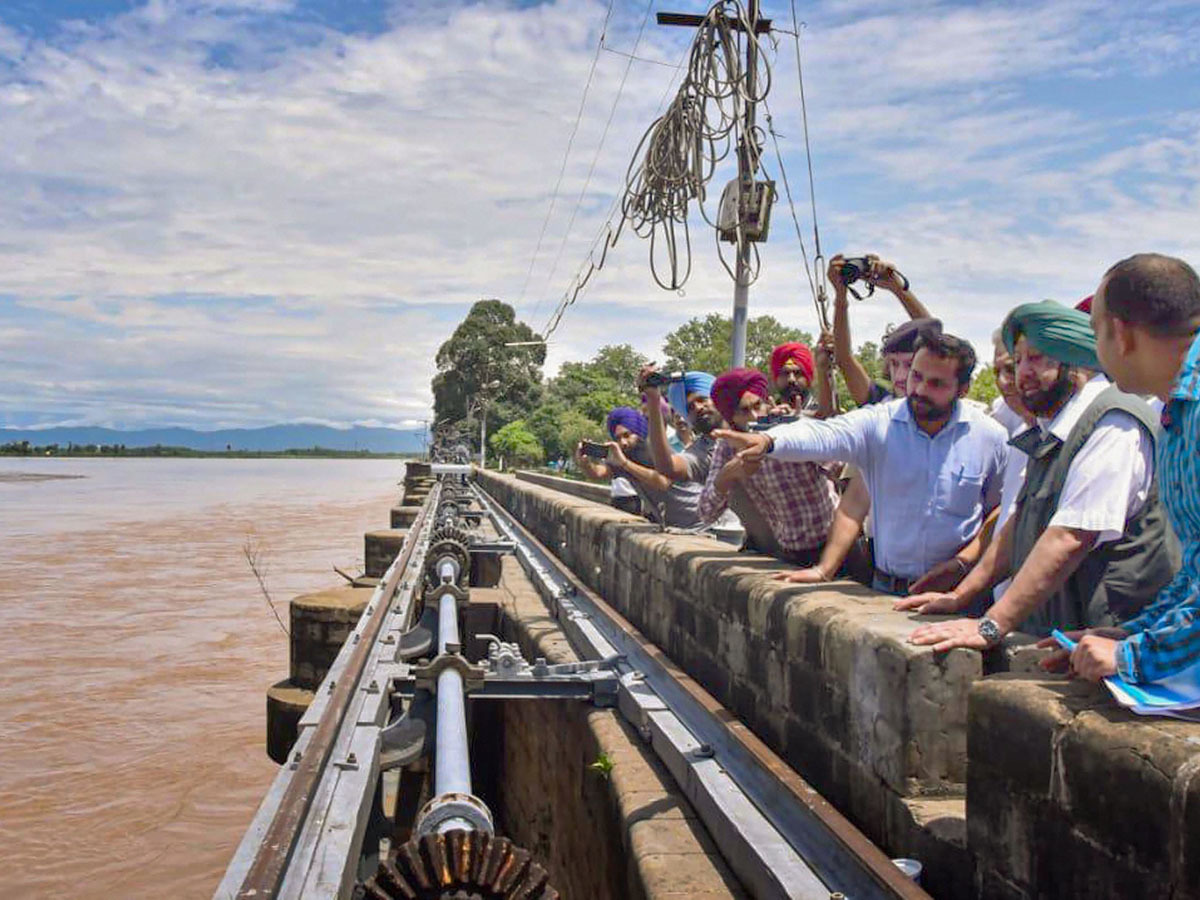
x: 1146, y: 315
x: 796, y: 499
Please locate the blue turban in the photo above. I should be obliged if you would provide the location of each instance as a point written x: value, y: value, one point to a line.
x: 630, y: 418
x: 1062, y: 333
x: 693, y: 383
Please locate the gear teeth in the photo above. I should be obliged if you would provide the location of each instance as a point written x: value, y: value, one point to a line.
x: 459, y: 865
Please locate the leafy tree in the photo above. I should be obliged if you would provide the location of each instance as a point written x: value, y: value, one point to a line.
x: 575, y: 427
x: 517, y: 444
x: 983, y: 385
x: 612, y: 371
x: 474, y: 357
x: 703, y: 343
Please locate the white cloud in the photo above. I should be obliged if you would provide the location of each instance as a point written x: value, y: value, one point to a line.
x: 360, y: 191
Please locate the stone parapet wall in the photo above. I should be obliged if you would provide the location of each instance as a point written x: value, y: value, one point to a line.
x: 1065, y: 794
x: 821, y: 673
x: 588, y: 490
x: 1070, y: 796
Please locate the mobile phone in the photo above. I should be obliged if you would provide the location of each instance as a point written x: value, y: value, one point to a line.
x: 592, y: 450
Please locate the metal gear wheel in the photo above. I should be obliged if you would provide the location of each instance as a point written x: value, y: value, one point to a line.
x: 459, y: 865
x: 448, y: 540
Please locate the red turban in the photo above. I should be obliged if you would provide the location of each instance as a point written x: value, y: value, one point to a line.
x: 793, y: 351
x: 729, y: 387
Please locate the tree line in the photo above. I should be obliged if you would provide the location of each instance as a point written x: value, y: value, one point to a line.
x: 490, y: 369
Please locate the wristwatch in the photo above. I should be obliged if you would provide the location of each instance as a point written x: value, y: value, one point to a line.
x: 990, y: 631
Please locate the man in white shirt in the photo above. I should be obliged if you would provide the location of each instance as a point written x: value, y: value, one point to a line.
x: 1088, y: 543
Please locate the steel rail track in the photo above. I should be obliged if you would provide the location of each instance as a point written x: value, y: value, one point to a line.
x: 265, y: 859
x: 778, y: 834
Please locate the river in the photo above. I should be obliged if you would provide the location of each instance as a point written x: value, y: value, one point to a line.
x: 137, y: 648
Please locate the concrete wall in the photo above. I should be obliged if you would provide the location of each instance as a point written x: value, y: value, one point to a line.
x: 824, y: 675
x: 588, y: 490
x: 1070, y: 796
x: 624, y: 835
x: 821, y: 673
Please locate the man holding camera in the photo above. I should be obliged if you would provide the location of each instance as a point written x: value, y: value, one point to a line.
x: 898, y: 346
x: 690, y: 395
x: 627, y: 455
x: 932, y: 464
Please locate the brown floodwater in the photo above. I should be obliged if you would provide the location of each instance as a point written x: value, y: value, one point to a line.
x: 136, y: 650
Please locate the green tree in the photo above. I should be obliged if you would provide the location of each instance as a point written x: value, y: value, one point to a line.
x: 476, y: 356
x: 612, y: 371
x: 983, y: 385
x: 516, y: 444
x: 703, y: 343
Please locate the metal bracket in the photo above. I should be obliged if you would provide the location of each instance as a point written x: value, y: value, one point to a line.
x: 410, y: 736
x: 425, y: 677
x: 418, y: 640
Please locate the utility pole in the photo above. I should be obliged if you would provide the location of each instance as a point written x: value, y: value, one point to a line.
x: 747, y: 163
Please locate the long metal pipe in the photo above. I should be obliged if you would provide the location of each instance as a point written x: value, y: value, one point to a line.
x: 452, y: 759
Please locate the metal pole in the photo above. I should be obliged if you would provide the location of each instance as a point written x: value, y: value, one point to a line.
x: 452, y: 761
x: 482, y: 435
x: 746, y: 154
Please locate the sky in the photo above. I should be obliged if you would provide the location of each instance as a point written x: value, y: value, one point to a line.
x: 221, y: 213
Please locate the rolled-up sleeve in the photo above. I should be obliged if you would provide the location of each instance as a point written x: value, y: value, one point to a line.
x: 712, y: 501
x: 1165, y: 648
x: 840, y: 439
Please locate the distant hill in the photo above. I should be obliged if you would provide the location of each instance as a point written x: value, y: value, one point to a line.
x: 271, y: 438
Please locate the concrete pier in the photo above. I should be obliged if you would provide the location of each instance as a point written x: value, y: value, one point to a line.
x: 380, y: 548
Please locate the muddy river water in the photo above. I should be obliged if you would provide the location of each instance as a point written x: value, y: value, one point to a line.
x: 135, y: 650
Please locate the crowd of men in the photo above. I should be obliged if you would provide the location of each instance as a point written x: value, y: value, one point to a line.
x: 1072, y: 503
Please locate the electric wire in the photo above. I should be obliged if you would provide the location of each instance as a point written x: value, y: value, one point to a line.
x: 787, y: 189
x: 566, y: 155
x: 681, y: 150
x: 600, y: 146
x: 819, y: 257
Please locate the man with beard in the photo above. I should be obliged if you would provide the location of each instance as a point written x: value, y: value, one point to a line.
x: 1009, y: 410
x: 932, y: 465
x: 795, y: 501
x: 672, y: 504
x: 793, y: 374
x: 692, y: 397
x: 1088, y: 544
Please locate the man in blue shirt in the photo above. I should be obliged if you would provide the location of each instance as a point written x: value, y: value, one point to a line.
x: 1146, y: 314
x: 933, y: 465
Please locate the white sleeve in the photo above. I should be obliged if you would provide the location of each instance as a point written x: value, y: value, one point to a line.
x: 1109, y: 478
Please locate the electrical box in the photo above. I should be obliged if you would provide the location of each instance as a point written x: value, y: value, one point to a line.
x: 755, y: 217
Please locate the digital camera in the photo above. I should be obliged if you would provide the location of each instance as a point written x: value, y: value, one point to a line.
x: 662, y: 379
x: 855, y: 268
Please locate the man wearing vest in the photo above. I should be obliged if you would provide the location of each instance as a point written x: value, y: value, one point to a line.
x: 1088, y: 544
x: 1147, y: 318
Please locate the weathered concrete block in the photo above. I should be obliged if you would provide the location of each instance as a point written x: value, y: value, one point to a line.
x: 380, y: 548
x: 414, y: 498
x: 320, y: 623
x: 403, y: 516
x: 417, y: 470
x: 286, y: 705
x: 1069, y: 795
